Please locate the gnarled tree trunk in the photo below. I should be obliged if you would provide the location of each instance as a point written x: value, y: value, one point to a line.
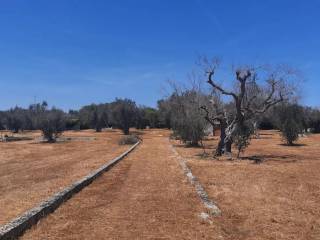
x: 221, y: 145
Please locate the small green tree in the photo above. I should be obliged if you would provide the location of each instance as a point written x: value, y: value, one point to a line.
x: 186, y: 119
x: 94, y: 116
x: 290, y: 131
x: 165, y: 113
x: 147, y: 116
x: 290, y: 122
x: 242, y: 137
x: 124, y: 114
x: 52, y: 124
x: 14, y: 119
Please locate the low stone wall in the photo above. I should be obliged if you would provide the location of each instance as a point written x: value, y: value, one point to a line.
x: 209, y: 204
x: 18, y: 226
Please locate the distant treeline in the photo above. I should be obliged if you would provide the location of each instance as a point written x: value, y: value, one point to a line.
x: 175, y: 112
x: 308, y: 118
x: 121, y: 113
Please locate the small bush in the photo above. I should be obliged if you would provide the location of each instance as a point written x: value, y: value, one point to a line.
x: 290, y: 131
x: 128, y: 140
x: 242, y: 137
x: 186, y: 120
x: 52, y: 124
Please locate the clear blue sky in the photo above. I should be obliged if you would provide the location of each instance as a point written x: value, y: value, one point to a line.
x: 73, y: 53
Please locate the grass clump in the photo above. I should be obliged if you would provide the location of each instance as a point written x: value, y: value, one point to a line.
x: 128, y: 140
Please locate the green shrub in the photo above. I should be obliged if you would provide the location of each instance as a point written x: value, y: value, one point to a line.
x: 187, y: 121
x: 52, y: 124
x: 290, y: 131
x: 242, y: 137
x: 124, y: 114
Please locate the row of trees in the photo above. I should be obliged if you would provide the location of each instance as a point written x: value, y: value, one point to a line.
x: 190, y: 113
x: 121, y: 113
x: 38, y: 116
x: 307, y: 117
x: 263, y: 97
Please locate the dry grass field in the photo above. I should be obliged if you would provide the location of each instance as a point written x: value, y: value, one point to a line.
x: 145, y: 196
x: 31, y: 171
x: 272, y: 192
x: 276, y: 199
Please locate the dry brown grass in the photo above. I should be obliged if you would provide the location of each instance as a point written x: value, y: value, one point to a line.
x: 277, y: 199
x: 31, y: 171
x: 145, y: 196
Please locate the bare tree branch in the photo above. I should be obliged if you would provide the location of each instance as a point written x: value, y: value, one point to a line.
x: 220, y: 89
x: 210, y: 119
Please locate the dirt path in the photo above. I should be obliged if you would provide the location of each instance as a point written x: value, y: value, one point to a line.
x: 146, y: 196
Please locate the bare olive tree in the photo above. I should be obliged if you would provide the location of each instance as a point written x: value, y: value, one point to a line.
x: 256, y: 90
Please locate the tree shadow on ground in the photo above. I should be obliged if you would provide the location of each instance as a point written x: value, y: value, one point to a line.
x: 45, y: 142
x: 207, y: 147
x: 270, y: 158
x: 205, y: 156
x: 294, y: 145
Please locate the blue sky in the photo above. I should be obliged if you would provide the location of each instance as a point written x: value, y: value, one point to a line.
x: 73, y: 53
